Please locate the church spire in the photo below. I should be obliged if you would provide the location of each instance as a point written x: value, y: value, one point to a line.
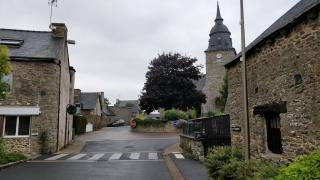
x: 218, y: 18
x: 219, y: 35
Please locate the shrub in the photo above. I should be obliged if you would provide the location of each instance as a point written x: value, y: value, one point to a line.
x: 140, y: 117
x: 11, y: 157
x: 2, y: 148
x: 229, y: 163
x: 43, y: 138
x: 306, y: 167
x: 219, y: 157
x: 172, y: 115
x: 192, y: 114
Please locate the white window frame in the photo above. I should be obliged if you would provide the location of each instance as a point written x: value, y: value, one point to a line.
x: 17, y: 128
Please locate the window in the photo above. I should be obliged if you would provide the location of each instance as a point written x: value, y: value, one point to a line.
x: 274, y: 133
x: 17, y: 126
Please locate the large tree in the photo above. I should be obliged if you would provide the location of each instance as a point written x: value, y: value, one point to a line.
x: 170, y: 84
x: 5, y: 69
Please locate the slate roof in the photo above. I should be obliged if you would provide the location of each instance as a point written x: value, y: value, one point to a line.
x: 123, y: 103
x: 219, y: 35
x: 107, y: 110
x: 287, y: 19
x: 89, y: 100
x: 36, y: 44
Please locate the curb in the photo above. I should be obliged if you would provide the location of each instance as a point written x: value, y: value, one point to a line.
x: 4, y: 166
x: 174, y: 171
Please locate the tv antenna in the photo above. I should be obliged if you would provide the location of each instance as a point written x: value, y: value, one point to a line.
x: 52, y: 3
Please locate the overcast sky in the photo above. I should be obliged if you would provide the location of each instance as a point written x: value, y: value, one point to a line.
x: 116, y: 39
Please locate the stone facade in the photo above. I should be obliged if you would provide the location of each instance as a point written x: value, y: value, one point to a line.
x: 283, y: 75
x: 167, y: 128
x: 219, y: 52
x: 215, y: 73
x: 47, y: 84
x: 191, y: 145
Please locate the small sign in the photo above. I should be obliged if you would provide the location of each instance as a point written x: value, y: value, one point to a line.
x: 236, y: 128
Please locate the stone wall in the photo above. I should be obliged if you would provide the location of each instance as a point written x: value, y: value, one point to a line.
x: 168, y: 128
x: 124, y: 113
x: 92, y: 118
x: 37, y: 83
x: 18, y: 145
x: 284, y: 70
x: 215, y: 72
x: 192, y: 146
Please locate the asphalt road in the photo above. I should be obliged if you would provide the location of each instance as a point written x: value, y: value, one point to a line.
x: 133, y: 159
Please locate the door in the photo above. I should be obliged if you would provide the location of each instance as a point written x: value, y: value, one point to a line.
x: 274, y: 133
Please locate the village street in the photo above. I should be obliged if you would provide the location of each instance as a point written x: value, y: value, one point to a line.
x: 111, y: 153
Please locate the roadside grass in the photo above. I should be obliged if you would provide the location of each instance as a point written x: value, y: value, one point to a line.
x: 11, y: 157
x: 6, y: 158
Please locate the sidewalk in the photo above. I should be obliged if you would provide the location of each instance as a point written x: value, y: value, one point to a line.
x: 185, y: 168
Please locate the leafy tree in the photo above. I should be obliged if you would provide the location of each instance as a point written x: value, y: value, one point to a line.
x: 169, y: 84
x: 222, y: 99
x: 5, y: 69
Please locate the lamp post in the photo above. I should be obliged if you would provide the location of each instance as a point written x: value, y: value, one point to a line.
x: 244, y: 82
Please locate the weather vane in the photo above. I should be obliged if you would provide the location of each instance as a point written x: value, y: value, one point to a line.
x: 52, y: 3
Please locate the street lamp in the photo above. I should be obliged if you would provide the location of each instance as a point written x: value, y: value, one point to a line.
x: 245, y: 90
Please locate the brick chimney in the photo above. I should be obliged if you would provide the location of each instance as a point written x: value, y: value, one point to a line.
x: 59, y: 30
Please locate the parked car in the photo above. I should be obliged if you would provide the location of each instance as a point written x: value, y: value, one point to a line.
x: 116, y: 123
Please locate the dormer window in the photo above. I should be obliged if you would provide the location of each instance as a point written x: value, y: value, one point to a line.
x: 11, y: 42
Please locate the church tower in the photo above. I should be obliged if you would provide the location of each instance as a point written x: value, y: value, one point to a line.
x: 219, y: 52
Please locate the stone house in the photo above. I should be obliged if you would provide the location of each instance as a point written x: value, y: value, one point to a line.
x: 90, y: 104
x: 107, y: 115
x: 125, y: 109
x: 283, y: 75
x: 41, y: 88
x: 220, y: 51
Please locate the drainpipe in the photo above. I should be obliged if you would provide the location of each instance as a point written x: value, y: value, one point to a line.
x: 58, y: 124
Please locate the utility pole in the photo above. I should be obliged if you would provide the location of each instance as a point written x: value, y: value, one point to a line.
x: 245, y: 90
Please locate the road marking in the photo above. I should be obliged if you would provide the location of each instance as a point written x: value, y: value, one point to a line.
x: 153, y: 156
x: 96, y: 157
x: 115, y: 156
x: 134, y: 155
x: 56, y: 157
x: 179, y: 156
x: 62, y: 161
x: 76, y: 157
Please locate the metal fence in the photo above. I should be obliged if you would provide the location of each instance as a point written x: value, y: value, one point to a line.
x: 212, y: 131
x: 191, y: 128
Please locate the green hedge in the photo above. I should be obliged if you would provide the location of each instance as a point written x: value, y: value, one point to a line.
x: 172, y: 115
x: 229, y: 163
x: 150, y: 123
x: 306, y: 167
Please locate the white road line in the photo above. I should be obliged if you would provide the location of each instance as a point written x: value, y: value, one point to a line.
x: 115, y: 156
x: 134, y: 155
x: 153, y: 156
x: 76, y: 157
x: 179, y: 156
x: 56, y: 157
x: 96, y: 157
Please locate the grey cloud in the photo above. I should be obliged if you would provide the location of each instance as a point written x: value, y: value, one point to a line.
x: 116, y: 39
